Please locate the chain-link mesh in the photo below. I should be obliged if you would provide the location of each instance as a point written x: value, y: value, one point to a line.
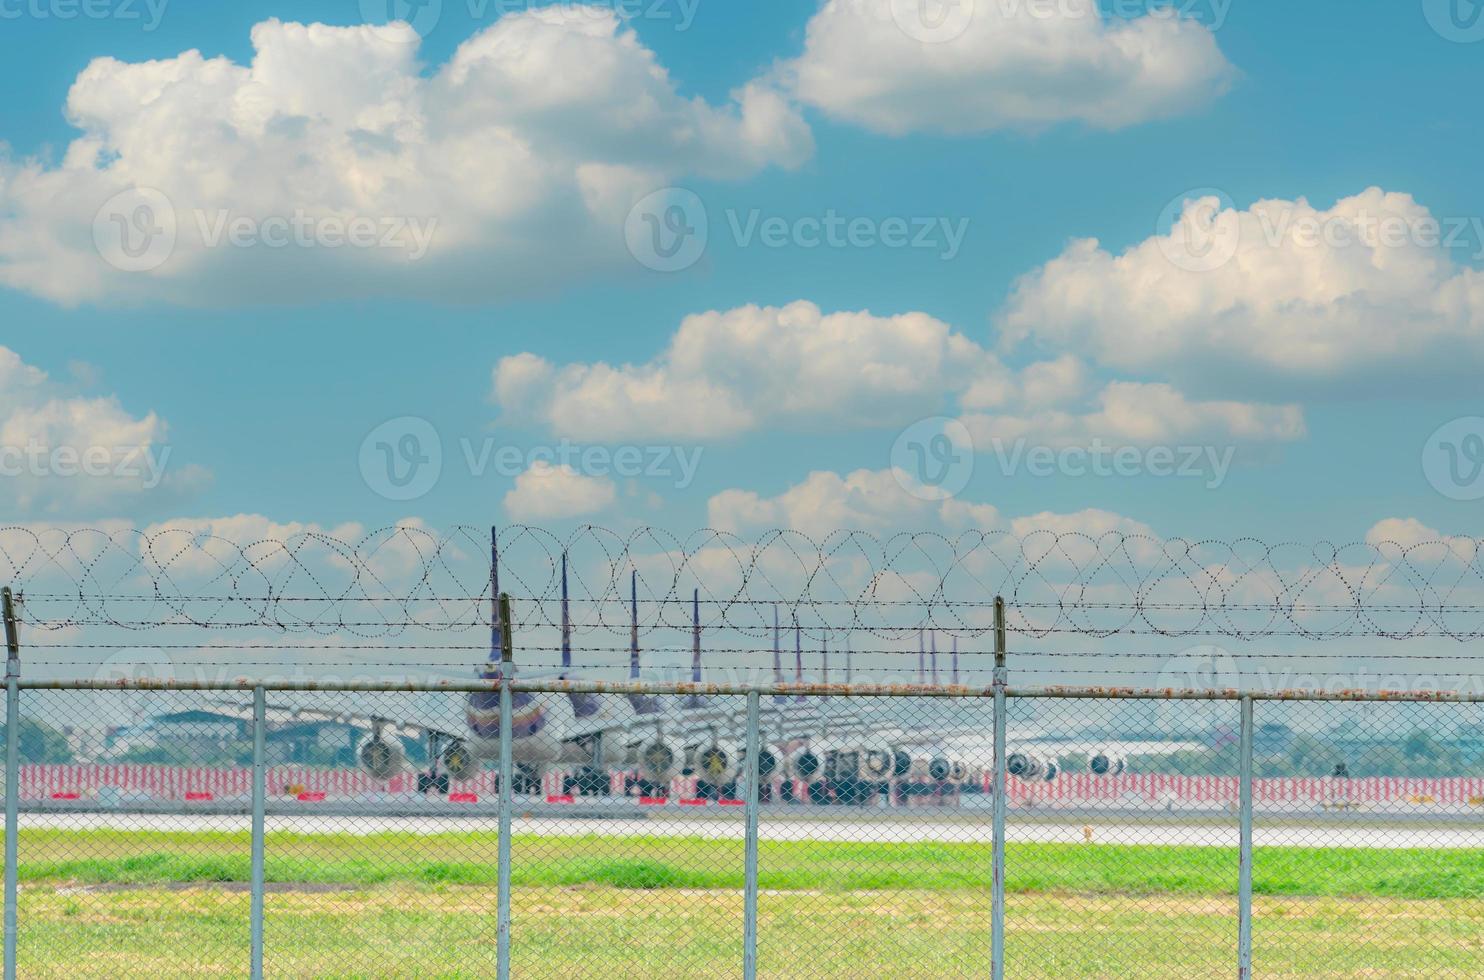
x: 381, y: 850
x: 629, y: 853
x: 1369, y: 839
x: 1122, y: 832
x: 134, y: 850
x: 875, y: 845
x: 629, y: 821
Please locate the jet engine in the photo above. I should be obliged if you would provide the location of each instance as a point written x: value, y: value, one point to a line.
x: 933, y: 766
x: 958, y: 770
x: 382, y: 757
x: 718, y: 762
x: 804, y: 763
x: 660, y: 759
x: 767, y: 762
x: 1106, y: 763
x: 877, y: 762
x: 1025, y: 766
x: 458, y: 761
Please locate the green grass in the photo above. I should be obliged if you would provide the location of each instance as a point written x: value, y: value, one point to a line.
x: 174, y: 904
x: 605, y: 932
x: 142, y: 858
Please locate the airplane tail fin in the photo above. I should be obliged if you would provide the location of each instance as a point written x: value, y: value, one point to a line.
x: 695, y: 700
x: 566, y: 623
x: 798, y: 657
x: 695, y: 636
x: 643, y: 704
x: 777, y: 654
x: 633, y: 625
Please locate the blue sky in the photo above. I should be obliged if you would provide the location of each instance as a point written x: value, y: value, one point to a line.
x: 265, y: 377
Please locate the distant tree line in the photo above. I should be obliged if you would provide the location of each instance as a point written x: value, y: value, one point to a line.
x: 38, y: 742
x: 1420, y: 754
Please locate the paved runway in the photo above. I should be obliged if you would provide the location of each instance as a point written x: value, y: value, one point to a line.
x: 1363, y: 832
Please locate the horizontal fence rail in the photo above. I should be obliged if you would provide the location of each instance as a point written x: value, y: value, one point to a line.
x: 789, y: 830
x: 766, y: 689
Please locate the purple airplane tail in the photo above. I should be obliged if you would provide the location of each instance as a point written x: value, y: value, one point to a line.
x: 824, y: 660
x: 482, y: 708
x: 798, y: 658
x: 583, y: 705
x: 643, y: 704
x: 695, y: 700
x: 777, y: 655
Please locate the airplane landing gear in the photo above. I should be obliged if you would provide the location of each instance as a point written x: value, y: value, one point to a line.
x: 526, y: 781
x: 707, y: 790
x: 428, y: 782
x: 433, y: 781
x: 649, y: 789
x: 587, y: 781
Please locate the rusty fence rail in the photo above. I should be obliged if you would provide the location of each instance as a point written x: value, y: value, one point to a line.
x: 1166, y: 780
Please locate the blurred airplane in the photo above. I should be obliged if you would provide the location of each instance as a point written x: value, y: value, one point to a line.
x: 838, y: 753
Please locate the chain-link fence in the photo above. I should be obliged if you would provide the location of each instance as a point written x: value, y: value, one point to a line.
x: 783, y: 831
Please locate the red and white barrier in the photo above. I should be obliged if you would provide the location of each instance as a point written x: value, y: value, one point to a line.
x: 185, y: 783
x: 1072, y: 789
x: 60, y: 780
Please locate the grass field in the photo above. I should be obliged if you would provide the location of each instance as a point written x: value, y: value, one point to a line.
x: 393, y: 905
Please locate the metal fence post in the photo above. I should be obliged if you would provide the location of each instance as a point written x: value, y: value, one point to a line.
x: 12, y: 779
x: 997, y: 901
x: 507, y: 777
x: 259, y: 795
x: 1244, y: 862
x: 749, y: 887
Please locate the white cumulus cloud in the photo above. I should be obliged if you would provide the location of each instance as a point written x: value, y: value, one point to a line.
x: 62, y: 451
x: 546, y: 492
x: 896, y: 66
x: 735, y: 371
x: 883, y: 501
x: 340, y: 166
x: 1283, y: 291
x: 1421, y: 543
x: 1143, y: 414
x: 728, y: 373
